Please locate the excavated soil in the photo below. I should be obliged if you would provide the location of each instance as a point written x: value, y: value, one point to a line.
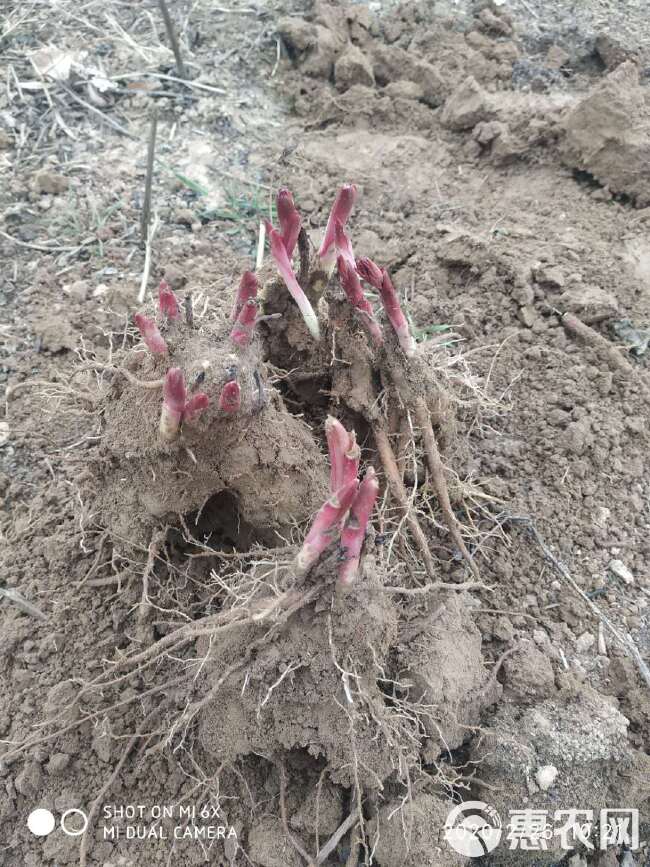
x: 500, y: 151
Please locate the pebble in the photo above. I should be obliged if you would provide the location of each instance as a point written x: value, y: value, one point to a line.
x: 57, y: 763
x: 49, y: 182
x: 545, y: 776
x: 585, y: 641
x: 621, y: 571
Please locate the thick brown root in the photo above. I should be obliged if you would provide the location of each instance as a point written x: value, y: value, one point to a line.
x: 399, y: 493
x: 436, y: 469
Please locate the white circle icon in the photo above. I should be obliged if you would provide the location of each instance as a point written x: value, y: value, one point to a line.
x: 40, y: 822
x: 473, y: 828
x: 74, y: 832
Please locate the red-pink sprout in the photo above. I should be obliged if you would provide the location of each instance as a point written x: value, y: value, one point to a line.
x: 341, y: 210
x: 152, y: 337
x: 390, y: 300
x: 325, y: 527
x: 230, y: 397
x: 283, y: 264
x: 242, y: 330
x: 354, y: 531
x: 167, y: 301
x: 247, y: 289
x: 195, y: 406
x: 355, y: 295
x: 344, y: 245
x: 289, y: 220
x: 344, y: 454
x: 370, y: 272
x: 174, y: 400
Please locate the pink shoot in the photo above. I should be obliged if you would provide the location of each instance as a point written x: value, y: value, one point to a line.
x: 355, y: 295
x: 230, y: 397
x: 341, y: 210
x: 354, y: 531
x: 378, y: 277
x: 344, y: 454
x: 167, y: 301
x: 370, y: 272
x: 247, y: 290
x: 289, y: 220
x: 344, y: 245
x: 174, y: 399
x: 325, y: 526
x: 242, y: 330
x: 195, y: 406
x: 283, y: 263
x: 396, y: 316
x: 152, y: 337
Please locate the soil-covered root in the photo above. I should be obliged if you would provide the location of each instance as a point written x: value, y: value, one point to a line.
x: 264, y: 460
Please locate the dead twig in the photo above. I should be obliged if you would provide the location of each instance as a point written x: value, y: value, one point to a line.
x: 148, y: 183
x: 297, y: 845
x: 604, y: 348
x: 337, y: 836
x: 173, y: 40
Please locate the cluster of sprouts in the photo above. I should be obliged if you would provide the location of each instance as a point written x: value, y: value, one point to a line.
x: 336, y: 251
x: 345, y: 514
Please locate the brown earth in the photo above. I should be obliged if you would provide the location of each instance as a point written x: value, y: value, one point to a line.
x: 176, y: 661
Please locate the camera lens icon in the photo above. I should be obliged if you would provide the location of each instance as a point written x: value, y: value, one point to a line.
x: 41, y: 822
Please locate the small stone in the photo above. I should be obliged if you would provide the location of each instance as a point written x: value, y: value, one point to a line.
x: 49, y: 182
x: 174, y: 276
x: 635, y: 424
x: 404, y: 89
x: 557, y: 57
x: 78, y: 290
x: 503, y: 629
x: 526, y: 316
x: 468, y: 105
x: 545, y: 777
x: 29, y: 781
x: 6, y: 141
x: 184, y: 216
x: 353, y: 67
x: 57, y: 763
x: 585, y: 642
x: 549, y: 275
x: 621, y: 571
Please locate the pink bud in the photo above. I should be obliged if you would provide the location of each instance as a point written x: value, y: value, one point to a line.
x: 195, y: 406
x: 370, y: 272
x: 289, y: 220
x: 247, y: 290
x: 341, y: 210
x: 152, y: 337
x: 230, y: 397
x: 344, y: 245
x: 174, y: 398
x: 354, y: 531
x: 279, y: 253
x: 242, y: 330
x: 344, y: 454
x: 167, y: 301
x: 325, y: 526
x: 355, y: 295
x: 395, y: 315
